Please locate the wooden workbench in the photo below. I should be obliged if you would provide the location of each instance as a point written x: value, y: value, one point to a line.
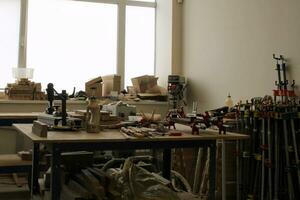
x: 114, y: 140
x: 113, y: 135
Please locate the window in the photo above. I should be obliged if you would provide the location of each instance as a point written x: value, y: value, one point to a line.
x: 140, y: 40
x: 71, y: 42
x: 68, y: 42
x: 9, y: 39
x: 145, y: 0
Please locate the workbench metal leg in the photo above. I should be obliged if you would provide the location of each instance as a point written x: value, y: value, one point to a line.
x: 167, y: 164
x: 223, y: 170
x: 35, y: 169
x: 212, y: 171
x: 55, y: 173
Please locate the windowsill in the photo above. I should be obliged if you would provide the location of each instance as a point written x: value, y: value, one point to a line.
x: 7, y: 101
x: 141, y: 102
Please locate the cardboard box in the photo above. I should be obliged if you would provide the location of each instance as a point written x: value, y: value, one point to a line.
x: 111, y: 83
x: 96, y: 85
x: 143, y: 83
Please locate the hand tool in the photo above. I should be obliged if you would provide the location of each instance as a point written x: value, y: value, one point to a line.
x: 279, y: 83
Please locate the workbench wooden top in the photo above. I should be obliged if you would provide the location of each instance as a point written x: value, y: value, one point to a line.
x: 15, y: 116
x: 112, y: 135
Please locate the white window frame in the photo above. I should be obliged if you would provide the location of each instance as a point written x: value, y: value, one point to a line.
x: 120, y: 38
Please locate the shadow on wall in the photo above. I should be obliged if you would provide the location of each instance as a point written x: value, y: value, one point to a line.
x: 194, y: 94
x: 292, y: 72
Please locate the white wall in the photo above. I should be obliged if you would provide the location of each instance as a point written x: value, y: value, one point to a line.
x: 168, y: 40
x: 163, y: 50
x: 228, y: 47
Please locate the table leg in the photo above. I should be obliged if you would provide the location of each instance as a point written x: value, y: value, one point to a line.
x: 55, y: 173
x: 35, y: 169
x: 167, y: 164
x: 212, y: 171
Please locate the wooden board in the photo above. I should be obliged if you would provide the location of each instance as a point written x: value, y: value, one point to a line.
x: 8, y: 160
x: 116, y: 136
x: 19, y: 115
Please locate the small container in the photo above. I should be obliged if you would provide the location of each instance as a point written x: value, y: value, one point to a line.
x: 229, y: 102
x: 22, y: 73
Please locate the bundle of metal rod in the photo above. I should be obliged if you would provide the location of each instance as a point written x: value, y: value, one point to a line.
x: 268, y: 164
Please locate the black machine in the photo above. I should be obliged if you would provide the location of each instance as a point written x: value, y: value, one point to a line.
x: 55, y: 117
x: 176, y: 87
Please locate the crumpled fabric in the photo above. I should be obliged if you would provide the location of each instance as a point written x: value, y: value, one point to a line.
x: 137, y: 183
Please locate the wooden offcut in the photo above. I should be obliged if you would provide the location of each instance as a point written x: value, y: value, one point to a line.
x: 111, y: 83
x: 94, y: 87
x: 40, y: 129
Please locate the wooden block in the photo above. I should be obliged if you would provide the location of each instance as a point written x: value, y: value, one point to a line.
x: 40, y: 129
x: 111, y: 83
x: 25, y: 155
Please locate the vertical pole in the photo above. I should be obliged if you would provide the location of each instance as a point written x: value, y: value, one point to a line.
x: 223, y: 170
x: 55, y: 173
x: 121, y: 41
x: 35, y: 169
x: 295, y: 150
x: 276, y: 148
x: 167, y: 164
x: 263, y: 160
x: 23, y: 34
x: 212, y: 171
x: 237, y: 171
x: 287, y: 158
x: 269, y: 158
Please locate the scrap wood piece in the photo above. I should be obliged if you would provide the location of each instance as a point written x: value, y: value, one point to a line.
x: 39, y: 128
x: 25, y: 155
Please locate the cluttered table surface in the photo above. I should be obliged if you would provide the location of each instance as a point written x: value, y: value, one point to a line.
x: 114, y: 135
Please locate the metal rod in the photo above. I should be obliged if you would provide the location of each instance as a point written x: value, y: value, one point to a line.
x: 289, y: 175
x: 276, y: 157
x: 296, y: 151
x: 269, y: 158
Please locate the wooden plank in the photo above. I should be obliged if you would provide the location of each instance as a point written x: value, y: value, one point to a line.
x: 7, y: 160
x: 32, y: 116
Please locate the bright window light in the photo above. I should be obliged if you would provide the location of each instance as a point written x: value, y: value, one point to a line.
x: 140, y: 42
x: 71, y: 42
x: 145, y: 0
x: 9, y: 39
